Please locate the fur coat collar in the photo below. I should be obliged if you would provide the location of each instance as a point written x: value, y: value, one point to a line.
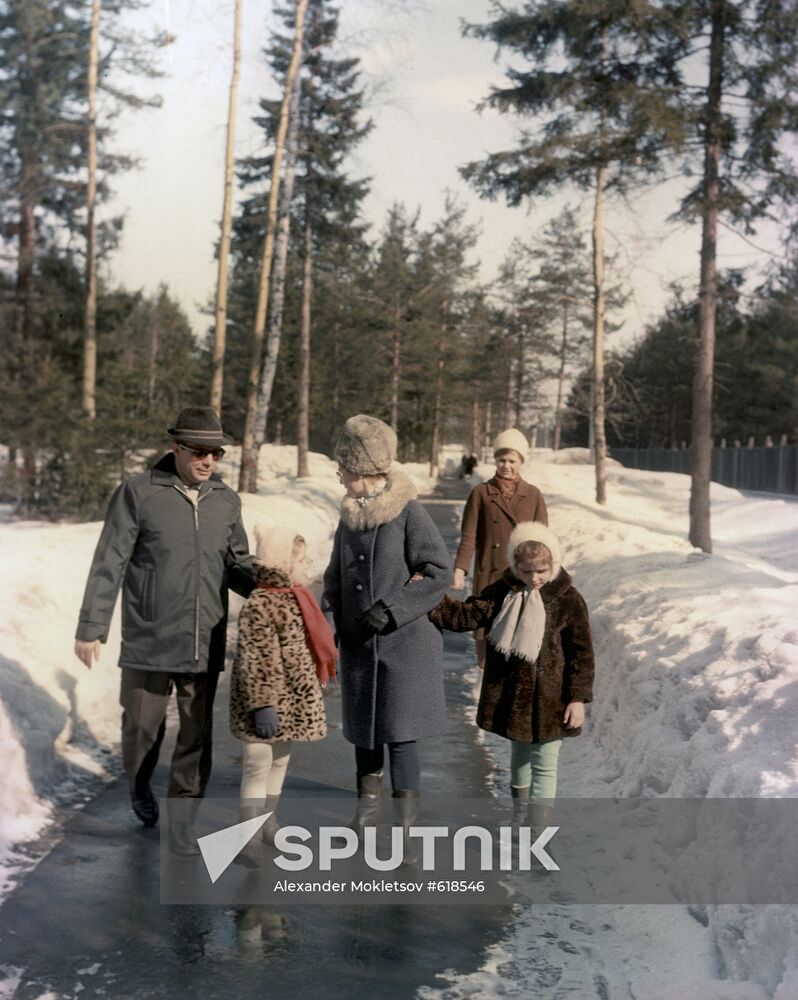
x: 384, y: 507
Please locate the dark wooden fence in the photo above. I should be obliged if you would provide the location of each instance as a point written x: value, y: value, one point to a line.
x: 772, y: 469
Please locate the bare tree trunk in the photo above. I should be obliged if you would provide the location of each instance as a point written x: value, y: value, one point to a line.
x: 154, y: 347
x: 474, y: 447
x: 303, y: 407
x: 336, y: 393
x: 248, y: 475
x: 275, y: 331
x: 437, y: 419
x: 90, y: 332
x: 396, y: 368
x: 488, y: 426
x: 600, y: 441
x: 220, y: 331
x: 519, y: 382
x: 508, y: 397
x: 561, y: 377
x: 701, y: 446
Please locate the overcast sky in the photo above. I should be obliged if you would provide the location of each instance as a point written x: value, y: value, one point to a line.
x: 427, y: 80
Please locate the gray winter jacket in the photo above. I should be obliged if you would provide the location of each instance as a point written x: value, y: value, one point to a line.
x: 391, y: 684
x: 174, y: 559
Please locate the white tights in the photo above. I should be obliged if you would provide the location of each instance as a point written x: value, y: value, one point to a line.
x: 263, y: 769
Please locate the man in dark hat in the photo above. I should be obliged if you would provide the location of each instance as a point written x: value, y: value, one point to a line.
x: 173, y: 541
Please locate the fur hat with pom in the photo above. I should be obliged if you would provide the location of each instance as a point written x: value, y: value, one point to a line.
x: 514, y: 439
x: 534, y: 531
x: 277, y: 546
x: 366, y: 446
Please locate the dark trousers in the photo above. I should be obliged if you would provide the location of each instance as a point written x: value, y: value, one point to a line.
x: 404, y: 763
x: 144, y: 697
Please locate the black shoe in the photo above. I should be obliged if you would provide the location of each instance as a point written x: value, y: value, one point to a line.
x: 405, y: 807
x: 146, y: 808
x: 182, y: 841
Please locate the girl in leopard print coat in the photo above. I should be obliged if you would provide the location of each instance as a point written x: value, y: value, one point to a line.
x: 275, y: 692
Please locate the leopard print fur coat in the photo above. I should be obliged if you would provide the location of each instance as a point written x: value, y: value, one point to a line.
x: 274, y: 666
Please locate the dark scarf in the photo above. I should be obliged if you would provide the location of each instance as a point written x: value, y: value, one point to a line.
x: 321, y: 641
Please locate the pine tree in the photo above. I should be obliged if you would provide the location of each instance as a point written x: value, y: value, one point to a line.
x: 738, y: 117
x: 599, y: 85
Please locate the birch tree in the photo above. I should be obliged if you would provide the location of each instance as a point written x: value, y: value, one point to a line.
x: 220, y: 327
x: 248, y: 475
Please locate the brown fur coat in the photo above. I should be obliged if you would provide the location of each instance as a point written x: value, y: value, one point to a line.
x: 274, y: 666
x: 520, y: 700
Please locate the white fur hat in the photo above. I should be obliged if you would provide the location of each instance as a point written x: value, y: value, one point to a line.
x: 511, y: 438
x: 366, y: 445
x: 277, y: 546
x: 534, y: 531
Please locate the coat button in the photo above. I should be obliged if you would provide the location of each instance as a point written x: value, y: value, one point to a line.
x: 358, y: 586
x: 361, y: 558
x: 496, y: 545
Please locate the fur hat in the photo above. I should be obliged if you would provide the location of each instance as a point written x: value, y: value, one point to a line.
x: 514, y: 439
x: 366, y: 445
x: 534, y: 531
x: 277, y: 546
x: 199, y: 426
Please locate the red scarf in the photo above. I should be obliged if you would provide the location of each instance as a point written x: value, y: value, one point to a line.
x: 321, y: 641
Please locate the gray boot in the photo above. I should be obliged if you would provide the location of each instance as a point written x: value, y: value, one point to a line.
x: 271, y: 826
x: 405, y: 808
x: 369, y: 792
x: 520, y: 816
x: 250, y: 855
x: 182, y: 839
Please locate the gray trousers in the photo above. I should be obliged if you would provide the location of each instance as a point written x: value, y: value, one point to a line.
x: 144, y: 697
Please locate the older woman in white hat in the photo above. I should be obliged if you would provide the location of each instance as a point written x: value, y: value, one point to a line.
x: 491, y: 512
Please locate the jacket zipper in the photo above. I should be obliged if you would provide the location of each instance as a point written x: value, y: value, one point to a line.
x: 195, y: 506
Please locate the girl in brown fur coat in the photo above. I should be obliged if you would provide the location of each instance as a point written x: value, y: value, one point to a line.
x: 285, y: 653
x: 539, y: 662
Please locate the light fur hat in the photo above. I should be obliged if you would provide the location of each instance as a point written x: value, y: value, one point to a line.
x: 534, y: 531
x: 277, y: 546
x: 511, y: 438
x: 366, y: 445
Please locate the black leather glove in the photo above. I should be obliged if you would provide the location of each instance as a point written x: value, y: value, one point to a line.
x: 376, y: 620
x: 267, y: 722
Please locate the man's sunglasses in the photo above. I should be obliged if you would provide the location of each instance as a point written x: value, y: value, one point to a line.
x: 215, y: 453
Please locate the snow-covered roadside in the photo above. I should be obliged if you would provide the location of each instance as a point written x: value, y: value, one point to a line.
x: 696, y: 695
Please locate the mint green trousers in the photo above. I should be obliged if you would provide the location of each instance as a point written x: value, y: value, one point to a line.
x: 535, y: 765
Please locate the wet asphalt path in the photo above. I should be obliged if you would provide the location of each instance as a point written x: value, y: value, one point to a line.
x: 88, y: 921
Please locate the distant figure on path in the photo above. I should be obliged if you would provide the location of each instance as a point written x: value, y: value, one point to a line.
x: 491, y: 512
x: 539, y: 668
x: 173, y: 541
x: 389, y: 567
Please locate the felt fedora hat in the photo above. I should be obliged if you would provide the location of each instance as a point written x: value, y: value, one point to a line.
x: 200, y: 427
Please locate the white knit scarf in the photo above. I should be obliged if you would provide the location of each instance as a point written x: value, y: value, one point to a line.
x: 518, y: 627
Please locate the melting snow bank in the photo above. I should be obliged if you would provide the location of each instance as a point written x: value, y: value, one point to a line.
x: 696, y: 695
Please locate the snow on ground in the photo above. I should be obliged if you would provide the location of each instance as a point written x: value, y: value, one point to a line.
x: 696, y: 695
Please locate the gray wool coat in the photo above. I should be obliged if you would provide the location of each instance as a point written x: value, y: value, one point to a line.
x: 174, y: 560
x: 391, y: 684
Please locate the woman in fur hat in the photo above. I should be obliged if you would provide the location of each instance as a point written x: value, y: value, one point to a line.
x: 491, y: 512
x: 388, y: 568
x: 539, y: 660
x: 286, y: 653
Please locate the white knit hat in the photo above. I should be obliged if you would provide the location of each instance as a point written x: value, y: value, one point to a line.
x: 511, y: 438
x: 277, y: 546
x: 534, y: 531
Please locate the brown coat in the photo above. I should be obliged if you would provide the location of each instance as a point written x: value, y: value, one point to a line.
x: 520, y: 700
x: 488, y: 520
x: 274, y: 666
